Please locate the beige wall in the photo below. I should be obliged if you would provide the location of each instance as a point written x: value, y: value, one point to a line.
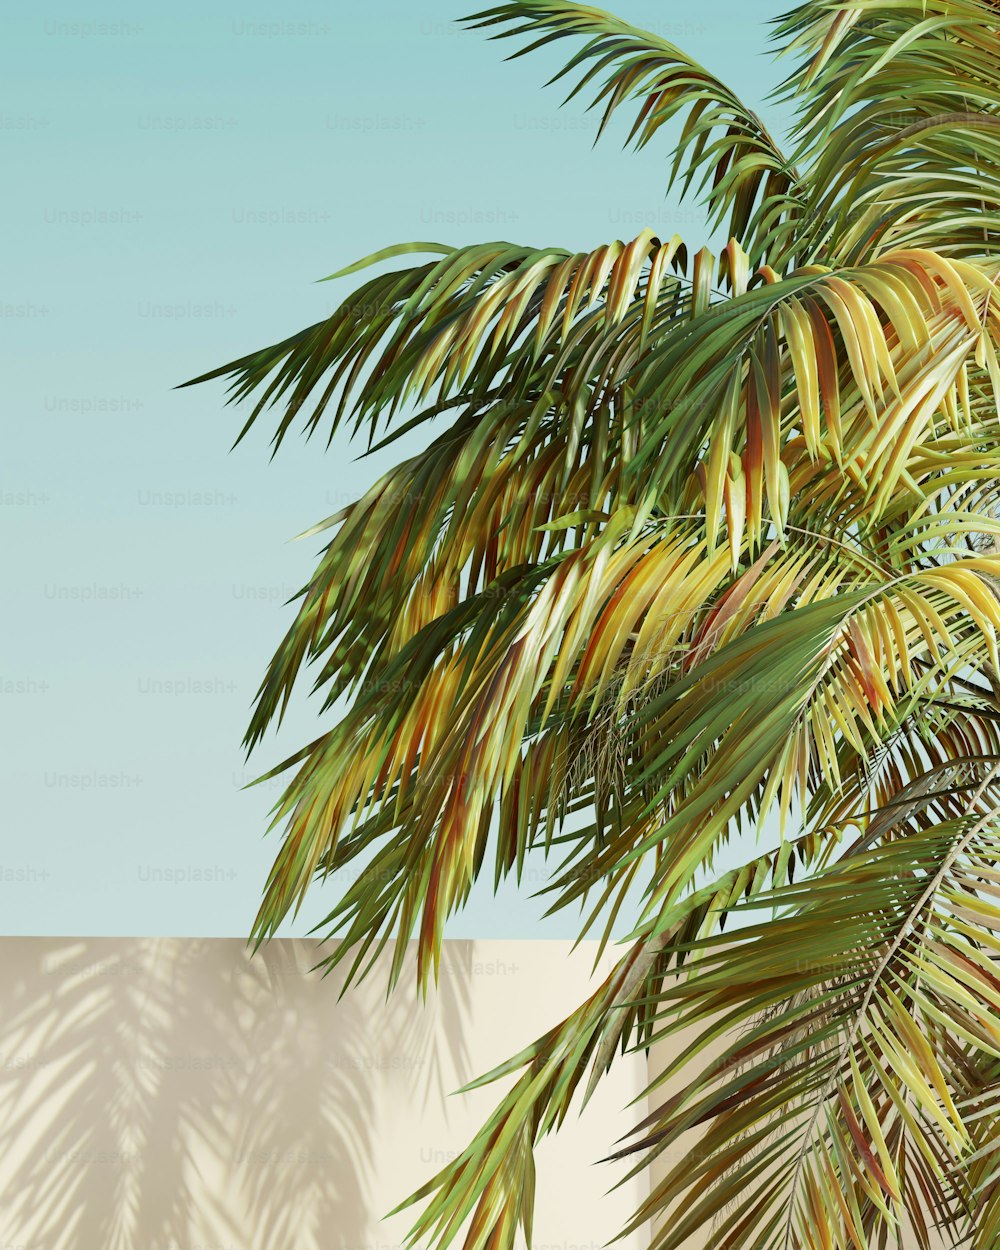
x: 175, y: 1094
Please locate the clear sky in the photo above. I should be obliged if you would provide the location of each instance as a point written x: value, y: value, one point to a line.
x: 175, y: 181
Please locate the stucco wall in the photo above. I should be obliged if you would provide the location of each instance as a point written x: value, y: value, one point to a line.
x: 175, y: 1094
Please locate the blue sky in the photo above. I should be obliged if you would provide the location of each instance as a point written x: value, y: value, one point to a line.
x: 176, y: 182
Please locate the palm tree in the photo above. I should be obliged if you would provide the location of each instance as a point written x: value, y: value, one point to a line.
x: 702, y: 544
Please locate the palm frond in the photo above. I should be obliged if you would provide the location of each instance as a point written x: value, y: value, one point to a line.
x: 898, y: 124
x: 834, y: 1073
x: 725, y: 150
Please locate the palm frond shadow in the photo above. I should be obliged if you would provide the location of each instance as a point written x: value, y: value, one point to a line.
x: 179, y: 1092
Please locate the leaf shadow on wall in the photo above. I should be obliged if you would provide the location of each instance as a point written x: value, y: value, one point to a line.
x: 167, y: 1093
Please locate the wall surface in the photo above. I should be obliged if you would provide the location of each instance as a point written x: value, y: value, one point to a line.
x: 176, y: 1094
